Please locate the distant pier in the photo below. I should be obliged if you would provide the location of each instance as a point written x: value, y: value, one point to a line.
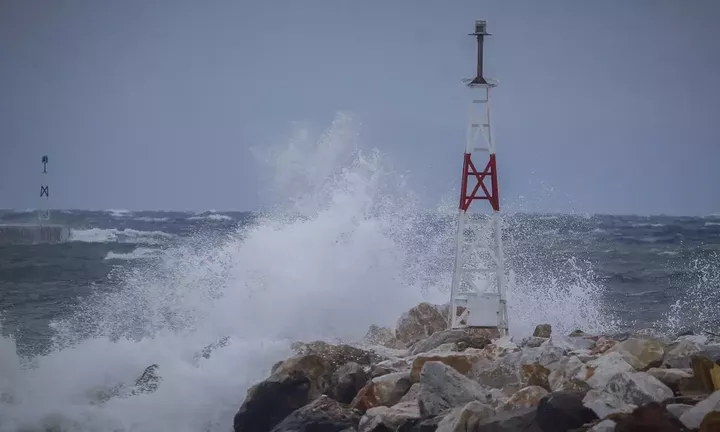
x: 33, y: 234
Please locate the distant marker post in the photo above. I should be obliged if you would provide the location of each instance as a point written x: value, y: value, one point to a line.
x: 478, y: 292
x: 44, y: 208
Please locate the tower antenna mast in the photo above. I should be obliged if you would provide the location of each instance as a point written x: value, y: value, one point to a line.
x: 477, y: 295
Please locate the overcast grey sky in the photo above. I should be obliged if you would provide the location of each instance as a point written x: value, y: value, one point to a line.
x: 613, y: 104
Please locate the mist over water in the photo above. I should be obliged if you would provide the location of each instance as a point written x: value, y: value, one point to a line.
x: 344, y: 245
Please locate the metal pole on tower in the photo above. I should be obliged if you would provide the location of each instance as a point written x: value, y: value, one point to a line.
x: 44, y: 209
x: 477, y: 295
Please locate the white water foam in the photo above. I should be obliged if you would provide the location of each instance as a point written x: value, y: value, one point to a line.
x: 345, y: 249
x: 127, y: 235
x: 212, y: 217
x: 135, y: 254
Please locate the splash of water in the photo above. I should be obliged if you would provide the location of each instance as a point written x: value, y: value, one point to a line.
x: 696, y: 306
x: 345, y: 246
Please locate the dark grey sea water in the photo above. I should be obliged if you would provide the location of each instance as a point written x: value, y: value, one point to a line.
x: 130, y: 289
x: 641, y: 265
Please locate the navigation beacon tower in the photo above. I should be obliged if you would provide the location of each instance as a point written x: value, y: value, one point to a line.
x: 44, y: 208
x: 477, y: 295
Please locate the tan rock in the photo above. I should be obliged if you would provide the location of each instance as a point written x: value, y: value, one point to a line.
x: 641, y: 354
x: 536, y: 375
x: 526, y: 397
x: 461, y: 362
x: 365, y: 399
x: 420, y: 322
x: 388, y: 389
x: 602, y: 345
x: 316, y: 368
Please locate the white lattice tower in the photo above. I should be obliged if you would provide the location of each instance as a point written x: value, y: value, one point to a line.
x: 477, y: 296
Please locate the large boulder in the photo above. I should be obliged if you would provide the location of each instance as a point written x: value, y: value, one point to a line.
x: 510, y: 369
x: 598, y: 372
x: 322, y: 415
x: 385, y: 390
x: 461, y: 362
x: 543, y: 331
x: 269, y: 402
x: 638, y: 388
x: 420, y: 322
x: 442, y: 388
x: 294, y: 383
x: 346, y: 382
x: 604, y: 403
x: 641, y: 354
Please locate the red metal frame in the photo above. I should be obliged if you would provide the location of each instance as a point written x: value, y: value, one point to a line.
x: 470, y: 170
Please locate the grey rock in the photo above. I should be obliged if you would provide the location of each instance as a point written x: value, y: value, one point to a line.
x: 346, y: 382
x: 638, y: 388
x: 604, y: 403
x: 442, y: 387
x: 322, y: 415
x: 514, y: 421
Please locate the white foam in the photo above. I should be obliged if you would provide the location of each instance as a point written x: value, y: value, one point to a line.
x: 211, y: 217
x: 135, y: 254
x: 127, y: 235
x: 118, y: 213
x: 151, y: 219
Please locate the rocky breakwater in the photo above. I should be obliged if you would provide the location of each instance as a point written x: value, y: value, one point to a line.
x: 422, y: 377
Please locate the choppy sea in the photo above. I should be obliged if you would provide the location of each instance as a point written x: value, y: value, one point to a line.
x: 131, y: 289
